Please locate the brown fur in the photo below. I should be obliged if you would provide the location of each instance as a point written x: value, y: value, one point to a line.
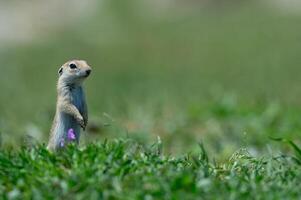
x: 71, y: 108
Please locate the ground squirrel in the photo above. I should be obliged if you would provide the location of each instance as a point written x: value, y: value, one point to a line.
x: 71, y: 108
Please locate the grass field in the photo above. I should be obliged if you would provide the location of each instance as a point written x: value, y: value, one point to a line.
x: 123, y: 169
x: 224, y: 75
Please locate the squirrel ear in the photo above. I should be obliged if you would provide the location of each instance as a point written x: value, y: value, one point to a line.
x: 60, y: 71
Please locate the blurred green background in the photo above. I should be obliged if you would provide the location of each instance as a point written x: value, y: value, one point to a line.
x: 225, y: 72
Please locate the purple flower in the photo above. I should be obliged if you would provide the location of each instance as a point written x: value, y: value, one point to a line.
x: 71, y: 135
x: 62, y: 143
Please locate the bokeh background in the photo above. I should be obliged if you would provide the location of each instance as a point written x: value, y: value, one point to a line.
x: 223, y: 72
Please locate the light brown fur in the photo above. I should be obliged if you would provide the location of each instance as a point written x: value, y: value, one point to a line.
x: 71, y: 108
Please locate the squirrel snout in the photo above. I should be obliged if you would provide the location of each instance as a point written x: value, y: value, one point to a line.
x: 88, y: 71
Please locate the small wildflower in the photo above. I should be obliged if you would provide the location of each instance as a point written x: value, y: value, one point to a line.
x: 71, y: 135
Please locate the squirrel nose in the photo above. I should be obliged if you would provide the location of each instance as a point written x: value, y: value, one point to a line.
x: 88, y: 71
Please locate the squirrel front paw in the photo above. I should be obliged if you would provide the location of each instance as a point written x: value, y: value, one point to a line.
x: 85, y: 121
x: 81, y: 122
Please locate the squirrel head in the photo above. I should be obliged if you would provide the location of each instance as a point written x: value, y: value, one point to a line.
x: 74, y: 72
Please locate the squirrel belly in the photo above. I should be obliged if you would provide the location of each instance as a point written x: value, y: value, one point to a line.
x: 65, y: 122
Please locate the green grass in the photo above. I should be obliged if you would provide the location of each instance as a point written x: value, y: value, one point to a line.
x: 125, y: 169
x: 171, y: 75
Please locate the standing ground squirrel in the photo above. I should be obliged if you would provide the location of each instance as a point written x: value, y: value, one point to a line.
x: 71, y: 107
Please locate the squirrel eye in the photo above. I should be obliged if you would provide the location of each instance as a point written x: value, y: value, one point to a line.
x: 72, y: 66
